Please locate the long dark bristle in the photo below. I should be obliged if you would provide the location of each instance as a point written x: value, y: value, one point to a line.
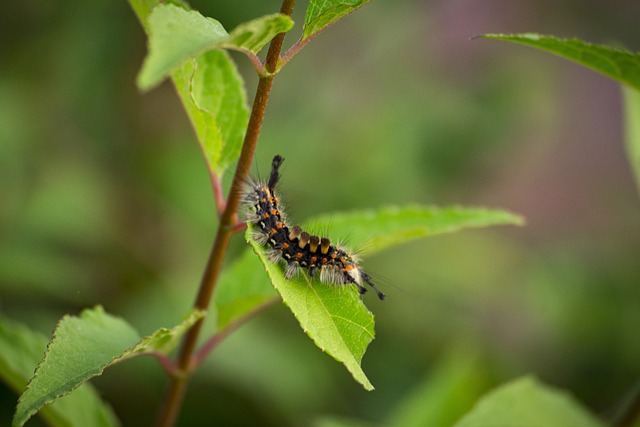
x: 274, y: 177
x: 298, y: 249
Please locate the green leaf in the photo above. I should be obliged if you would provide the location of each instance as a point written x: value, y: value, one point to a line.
x: 336, y: 421
x: 333, y: 317
x: 162, y: 341
x: 620, y: 65
x: 176, y: 35
x: 82, y: 347
x: 632, y: 129
x: 528, y: 403
x: 375, y: 230
x: 212, y: 92
x: 447, y: 392
x: 209, y: 85
x: 323, y: 13
x: 143, y: 8
x: 252, y: 36
x: 242, y: 289
x: 20, y: 351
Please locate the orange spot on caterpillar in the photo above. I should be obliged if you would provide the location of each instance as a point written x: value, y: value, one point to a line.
x: 295, y: 247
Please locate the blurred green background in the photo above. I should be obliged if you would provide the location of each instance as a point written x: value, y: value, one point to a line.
x: 104, y: 199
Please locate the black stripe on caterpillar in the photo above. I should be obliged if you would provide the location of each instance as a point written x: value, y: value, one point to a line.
x: 296, y: 248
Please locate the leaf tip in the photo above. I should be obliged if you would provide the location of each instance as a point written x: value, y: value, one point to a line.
x: 144, y: 81
x: 518, y: 220
x: 503, y: 36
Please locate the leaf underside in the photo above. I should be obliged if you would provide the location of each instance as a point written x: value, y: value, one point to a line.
x: 371, y: 231
x: 618, y: 64
x: 621, y: 65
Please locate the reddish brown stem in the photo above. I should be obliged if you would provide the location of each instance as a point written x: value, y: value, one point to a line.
x: 170, y: 410
x: 218, y: 197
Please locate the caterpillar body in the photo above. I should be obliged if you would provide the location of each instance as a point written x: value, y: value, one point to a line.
x: 296, y: 248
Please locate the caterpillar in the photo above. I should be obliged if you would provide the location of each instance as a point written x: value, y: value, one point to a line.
x: 296, y: 248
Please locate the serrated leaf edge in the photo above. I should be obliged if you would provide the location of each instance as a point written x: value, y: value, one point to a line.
x: 365, y: 381
x: 315, y: 33
x: 113, y: 361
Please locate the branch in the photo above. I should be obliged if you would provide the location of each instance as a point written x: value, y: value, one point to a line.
x: 184, y: 366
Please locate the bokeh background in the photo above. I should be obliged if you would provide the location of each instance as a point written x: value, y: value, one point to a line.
x: 104, y: 199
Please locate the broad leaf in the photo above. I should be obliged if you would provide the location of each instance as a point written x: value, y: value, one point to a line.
x: 212, y: 92
x: 143, y: 8
x: 82, y: 347
x: 176, y: 35
x: 372, y: 231
x: 242, y: 288
x: 528, y: 403
x: 632, y: 129
x: 620, y: 65
x: 333, y: 317
x: 20, y: 352
x: 323, y: 13
x: 447, y: 392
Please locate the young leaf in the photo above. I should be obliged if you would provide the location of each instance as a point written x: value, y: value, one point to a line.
x: 143, y: 8
x: 82, y: 347
x: 323, y: 13
x: 632, y: 129
x: 333, y: 317
x: 20, y: 351
x: 620, y: 65
x: 212, y: 92
x: 176, y: 35
x: 380, y: 229
x: 528, y: 403
x: 253, y: 35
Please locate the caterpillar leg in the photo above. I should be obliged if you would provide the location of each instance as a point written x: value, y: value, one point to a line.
x: 350, y: 279
x: 369, y: 282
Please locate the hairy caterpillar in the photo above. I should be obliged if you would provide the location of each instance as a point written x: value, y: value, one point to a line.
x: 295, y: 247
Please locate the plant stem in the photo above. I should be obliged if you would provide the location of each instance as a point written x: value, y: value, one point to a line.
x: 175, y: 394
